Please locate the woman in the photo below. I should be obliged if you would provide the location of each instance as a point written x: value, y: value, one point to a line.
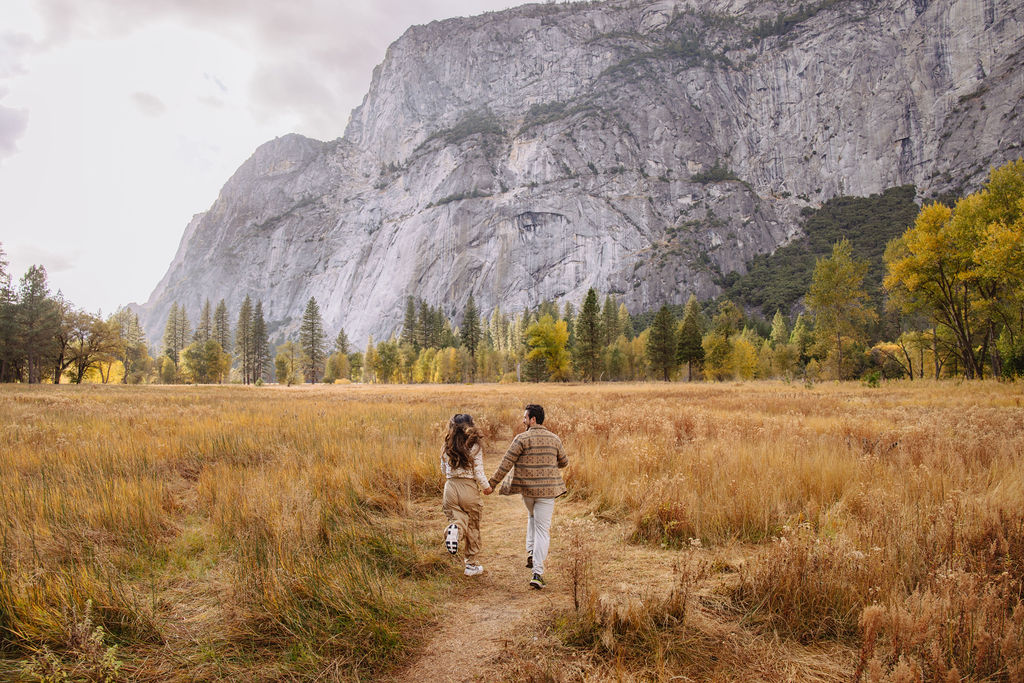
x: 462, y: 461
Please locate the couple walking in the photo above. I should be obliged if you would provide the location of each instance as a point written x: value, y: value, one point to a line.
x: 534, y: 459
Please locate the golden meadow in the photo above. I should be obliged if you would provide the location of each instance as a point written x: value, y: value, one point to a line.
x: 163, y: 533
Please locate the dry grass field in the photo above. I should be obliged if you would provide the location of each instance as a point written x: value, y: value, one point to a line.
x: 760, y: 531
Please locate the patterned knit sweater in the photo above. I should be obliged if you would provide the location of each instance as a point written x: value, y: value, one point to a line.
x: 537, y: 455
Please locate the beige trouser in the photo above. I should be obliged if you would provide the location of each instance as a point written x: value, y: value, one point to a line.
x: 462, y: 505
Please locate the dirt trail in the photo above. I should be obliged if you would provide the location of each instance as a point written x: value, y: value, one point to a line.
x: 498, y: 605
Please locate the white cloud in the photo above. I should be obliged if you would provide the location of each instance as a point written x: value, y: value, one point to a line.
x: 54, y: 260
x: 12, y: 125
x: 148, y: 104
x: 121, y: 120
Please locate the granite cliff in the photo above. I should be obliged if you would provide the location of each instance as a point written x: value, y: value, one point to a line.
x: 640, y: 147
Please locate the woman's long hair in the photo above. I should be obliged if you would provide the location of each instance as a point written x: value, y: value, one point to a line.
x: 462, y: 436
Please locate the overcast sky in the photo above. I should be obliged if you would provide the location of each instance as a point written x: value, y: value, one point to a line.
x: 120, y: 119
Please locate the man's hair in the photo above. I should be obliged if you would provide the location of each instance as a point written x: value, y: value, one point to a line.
x: 535, y: 411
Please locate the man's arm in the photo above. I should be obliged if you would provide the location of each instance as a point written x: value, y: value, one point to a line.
x: 563, y: 459
x: 515, y: 449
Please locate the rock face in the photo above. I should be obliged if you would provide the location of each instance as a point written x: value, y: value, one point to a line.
x: 643, y: 148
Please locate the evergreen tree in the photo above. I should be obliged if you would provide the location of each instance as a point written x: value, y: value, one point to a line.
x: 38, y: 322
x: 801, y: 338
x: 409, y: 335
x: 689, y: 349
x: 311, y: 339
x: 341, y: 344
x: 261, y: 344
x: 133, y: 353
x: 610, y: 321
x: 244, y: 343
x: 182, y: 329
x: 8, y: 345
x: 588, y: 338
x: 470, y: 331
x: 205, y: 327
x: 222, y: 327
x: 570, y: 324
x: 170, y: 340
x: 424, y: 326
x: 661, y: 344
x: 446, y: 337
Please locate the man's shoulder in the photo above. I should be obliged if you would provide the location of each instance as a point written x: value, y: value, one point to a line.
x: 540, y: 433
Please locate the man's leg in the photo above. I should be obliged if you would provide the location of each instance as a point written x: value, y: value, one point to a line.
x: 528, y: 502
x: 543, y: 508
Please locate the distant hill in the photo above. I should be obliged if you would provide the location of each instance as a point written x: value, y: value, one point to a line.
x: 777, y: 281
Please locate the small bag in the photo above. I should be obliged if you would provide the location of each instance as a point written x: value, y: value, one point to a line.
x: 505, y: 487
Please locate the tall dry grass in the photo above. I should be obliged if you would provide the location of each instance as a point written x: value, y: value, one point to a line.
x: 855, y: 498
x: 216, y: 530
x: 263, y: 532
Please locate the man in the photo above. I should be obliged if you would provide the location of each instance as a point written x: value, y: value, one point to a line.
x: 537, y: 455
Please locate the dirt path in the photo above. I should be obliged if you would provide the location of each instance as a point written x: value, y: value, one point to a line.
x: 492, y: 607
x: 499, y: 605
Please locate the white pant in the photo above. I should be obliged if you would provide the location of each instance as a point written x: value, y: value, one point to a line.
x: 538, y: 529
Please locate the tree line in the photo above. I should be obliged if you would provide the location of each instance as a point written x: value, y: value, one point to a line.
x: 44, y: 337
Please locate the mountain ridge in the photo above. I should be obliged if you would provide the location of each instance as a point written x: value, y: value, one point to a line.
x: 574, y: 162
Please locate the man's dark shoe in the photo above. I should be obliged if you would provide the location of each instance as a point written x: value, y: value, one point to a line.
x: 529, y: 561
x: 537, y: 582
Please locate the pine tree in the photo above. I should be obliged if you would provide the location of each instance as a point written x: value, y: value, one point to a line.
x: 661, y: 343
x: 689, y: 349
x: 610, y: 320
x: 8, y: 347
x: 341, y: 344
x: 38, y: 322
x: 409, y: 335
x: 588, y: 337
x: 222, y: 327
x: 311, y: 339
x: 470, y: 330
x: 244, y: 345
x: 204, y: 329
x: 169, y: 345
x: 182, y: 329
x: 261, y: 344
x: 570, y: 323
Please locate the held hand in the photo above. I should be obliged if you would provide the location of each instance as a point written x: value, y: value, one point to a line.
x: 488, y: 490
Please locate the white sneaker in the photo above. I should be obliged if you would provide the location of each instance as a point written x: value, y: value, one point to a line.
x: 474, y: 569
x: 451, y: 538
